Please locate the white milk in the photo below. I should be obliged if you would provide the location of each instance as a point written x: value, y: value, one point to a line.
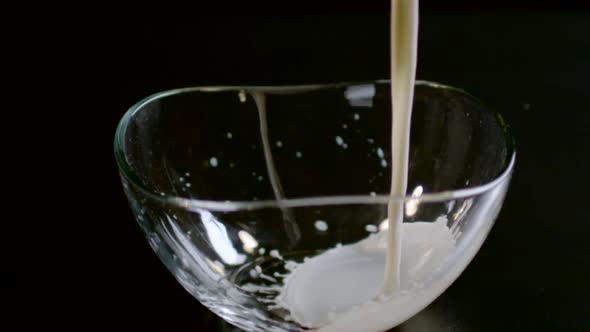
x: 346, y: 281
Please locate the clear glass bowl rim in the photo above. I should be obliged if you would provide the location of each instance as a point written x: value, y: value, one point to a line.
x: 218, y: 205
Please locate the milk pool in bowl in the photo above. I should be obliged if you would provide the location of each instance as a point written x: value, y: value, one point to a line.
x: 268, y: 204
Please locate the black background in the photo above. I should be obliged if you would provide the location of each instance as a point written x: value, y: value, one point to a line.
x: 77, y: 256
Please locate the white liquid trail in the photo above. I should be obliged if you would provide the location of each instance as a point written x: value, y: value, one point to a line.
x: 291, y: 227
x: 404, y: 50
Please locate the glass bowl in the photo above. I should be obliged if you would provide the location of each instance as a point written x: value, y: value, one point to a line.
x: 236, y: 186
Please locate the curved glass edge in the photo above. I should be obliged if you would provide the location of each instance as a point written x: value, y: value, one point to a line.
x: 227, y: 206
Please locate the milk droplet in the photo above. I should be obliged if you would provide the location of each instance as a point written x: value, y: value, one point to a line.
x: 380, y: 153
x: 275, y: 253
x: 371, y: 228
x: 298, y: 154
x: 229, y: 135
x: 242, y: 96
x: 279, y: 144
x: 213, y: 162
x: 321, y: 225
x: 339, y: 140
x: 356, y: 116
